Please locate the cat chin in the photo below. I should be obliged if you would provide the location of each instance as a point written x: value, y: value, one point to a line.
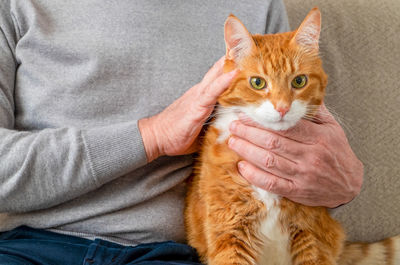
x: 276, y: 125
x: 266, y: 115
x: 226, y: 115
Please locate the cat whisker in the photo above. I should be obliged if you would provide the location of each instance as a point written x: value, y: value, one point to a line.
x: 339, y: 118
x: 208, y: 123
x: 212, y: 106
x: 312, y: 119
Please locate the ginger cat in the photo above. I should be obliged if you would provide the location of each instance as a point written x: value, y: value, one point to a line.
x: 229, y: 221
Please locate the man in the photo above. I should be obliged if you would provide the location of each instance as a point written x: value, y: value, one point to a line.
x: 97, y: 117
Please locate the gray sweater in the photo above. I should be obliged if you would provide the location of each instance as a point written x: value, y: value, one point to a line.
x: 75, y: 77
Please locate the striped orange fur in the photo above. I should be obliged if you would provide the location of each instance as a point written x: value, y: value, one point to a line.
x: 230, y: 222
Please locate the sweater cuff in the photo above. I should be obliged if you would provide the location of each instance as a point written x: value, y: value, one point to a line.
x: 114, y: 150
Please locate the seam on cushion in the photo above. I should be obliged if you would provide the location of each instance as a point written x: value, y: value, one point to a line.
x: 9, y: 46
x: 15, y: 64
x: 16, y: 26
x: 9, y: 110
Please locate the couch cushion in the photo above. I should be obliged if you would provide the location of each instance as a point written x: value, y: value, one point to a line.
x: 360, y: 47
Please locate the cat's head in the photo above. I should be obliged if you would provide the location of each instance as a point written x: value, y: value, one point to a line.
x: 281, y: 79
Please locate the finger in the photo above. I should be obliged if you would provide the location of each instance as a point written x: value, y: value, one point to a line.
x: 210, y: 93
x: 265, y: 180
x: 215, y: 71
x: 269, y: 140
x: 262, y: 158
x: 304, y: 131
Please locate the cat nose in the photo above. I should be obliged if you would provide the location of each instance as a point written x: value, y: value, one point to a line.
x: 282, y: 110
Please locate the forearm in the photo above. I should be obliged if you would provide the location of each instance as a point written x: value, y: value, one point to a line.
x: 45, y: 168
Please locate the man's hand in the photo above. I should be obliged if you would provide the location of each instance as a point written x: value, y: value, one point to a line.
x: 311, y: 163
x: 174, y: 131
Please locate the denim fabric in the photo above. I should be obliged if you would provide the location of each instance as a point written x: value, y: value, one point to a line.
x: 28, y: 246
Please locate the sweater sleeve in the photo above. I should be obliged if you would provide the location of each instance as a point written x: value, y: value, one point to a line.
x: 277, y: 20
x: 40, y: 169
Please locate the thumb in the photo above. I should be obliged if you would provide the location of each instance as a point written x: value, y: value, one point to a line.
x: 211, y: 92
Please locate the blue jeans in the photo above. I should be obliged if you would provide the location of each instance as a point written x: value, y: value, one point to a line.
x: 28, y: 246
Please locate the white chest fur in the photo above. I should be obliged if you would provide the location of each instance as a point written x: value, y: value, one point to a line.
x: 276, y: 250
x: 276, y: 242
x: 225, y: 117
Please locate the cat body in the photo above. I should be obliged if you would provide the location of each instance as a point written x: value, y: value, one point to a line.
x: 232, y: 222
x: 229, y: 221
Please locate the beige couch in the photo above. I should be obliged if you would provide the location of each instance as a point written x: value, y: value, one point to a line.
x: 360, y: 47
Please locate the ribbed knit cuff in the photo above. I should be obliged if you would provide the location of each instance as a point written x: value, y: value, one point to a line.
x: 114, y: 150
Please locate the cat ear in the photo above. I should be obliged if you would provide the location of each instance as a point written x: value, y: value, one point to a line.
x: 238, y: 40
x: 307, y: 35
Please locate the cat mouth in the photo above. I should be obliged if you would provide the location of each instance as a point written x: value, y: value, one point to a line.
x: 263, y: 123
x: 281, y: 125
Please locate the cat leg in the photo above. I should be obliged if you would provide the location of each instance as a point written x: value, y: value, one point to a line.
x: 307, y: 250
x: 230, y: 249
x: 231, y: 236
x: 195, y: 215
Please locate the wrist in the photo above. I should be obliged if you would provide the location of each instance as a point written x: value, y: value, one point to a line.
x: 149, y: 138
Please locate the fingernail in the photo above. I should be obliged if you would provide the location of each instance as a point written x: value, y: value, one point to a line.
x: 233, y: 126
x: 241, y: 165
x: 231, y: 141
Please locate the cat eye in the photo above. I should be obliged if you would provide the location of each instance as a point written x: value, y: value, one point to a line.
x: 257, y: 83
x: 299, y: 81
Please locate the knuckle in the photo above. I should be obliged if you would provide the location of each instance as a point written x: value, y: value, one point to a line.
x: 316, y: 161
x: 291, y: 189
x: 269, y: 160
x: 270, y: 184
x: 272, y: 142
